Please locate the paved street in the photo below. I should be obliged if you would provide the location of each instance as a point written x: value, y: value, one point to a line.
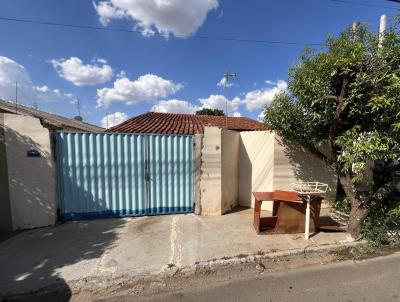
x: 66, y: 253
x: 371, y: 280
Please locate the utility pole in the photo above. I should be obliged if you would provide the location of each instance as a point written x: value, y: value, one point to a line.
x: 227, y: 75
x: 382, y: 28
x: 354, y: 29
x: 16, y: 96
x: 78, y: 105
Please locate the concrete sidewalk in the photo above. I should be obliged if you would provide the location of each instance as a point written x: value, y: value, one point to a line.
x: 135, y: 246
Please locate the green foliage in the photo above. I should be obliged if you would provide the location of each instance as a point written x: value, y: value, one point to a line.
x: 341, y: 204
x: 369, y: 127
x: 358, y: 147
x: 208, y: 111
x: 347, y: 95
x: 384, y: 218
x: 375, y: 232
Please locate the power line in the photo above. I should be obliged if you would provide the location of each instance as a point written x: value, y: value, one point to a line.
x: 204, y: 37
x: 363, y: 4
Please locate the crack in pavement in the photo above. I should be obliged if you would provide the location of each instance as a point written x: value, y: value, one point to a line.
x: 176, y: 247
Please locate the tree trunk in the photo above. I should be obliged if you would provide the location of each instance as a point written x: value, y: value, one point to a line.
x: 356, y: 218
x: 358, y: 212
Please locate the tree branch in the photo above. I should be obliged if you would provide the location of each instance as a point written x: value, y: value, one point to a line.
x: 385, y: 190
x: 327, y: 97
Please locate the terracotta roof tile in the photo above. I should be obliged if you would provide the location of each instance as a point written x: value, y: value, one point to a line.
x: 174, y: 123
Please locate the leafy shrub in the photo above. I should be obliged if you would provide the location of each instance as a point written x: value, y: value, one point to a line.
x: 375, y: 232
x: 383, y: 220
x: 341, y: 204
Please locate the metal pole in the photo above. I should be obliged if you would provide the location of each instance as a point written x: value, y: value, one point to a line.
x: 382, y: 28
x: 354, y: 30
x: 307, y: 226
x: 226, y: 77
x: 16, y: 97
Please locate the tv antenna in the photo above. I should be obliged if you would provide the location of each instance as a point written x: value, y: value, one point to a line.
x: 78, y: 107
x: 227, y: 75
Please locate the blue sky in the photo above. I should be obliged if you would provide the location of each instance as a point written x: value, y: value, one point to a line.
x: 132, y: 73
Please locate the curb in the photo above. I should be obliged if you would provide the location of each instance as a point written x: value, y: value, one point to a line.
x: 246, y: 259
x: 198, y: 267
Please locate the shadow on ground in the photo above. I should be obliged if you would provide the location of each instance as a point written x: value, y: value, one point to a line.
x: 32, y: 259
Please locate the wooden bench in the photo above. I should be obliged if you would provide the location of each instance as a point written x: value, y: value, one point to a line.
x: 288, y: 213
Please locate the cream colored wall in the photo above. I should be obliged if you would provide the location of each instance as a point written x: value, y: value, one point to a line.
x: 211, y: 172
x: 236, y: 164
x: 229, y: 169
x: 292, y: 163
x: 256, y: 166
x: 5, y: 207
x: 32, y: 181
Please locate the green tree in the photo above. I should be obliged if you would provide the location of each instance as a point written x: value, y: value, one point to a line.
x: 347, y: 95
x: 208, y: 111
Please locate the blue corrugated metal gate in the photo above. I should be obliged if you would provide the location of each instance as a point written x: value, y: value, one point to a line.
x: 117, y: 174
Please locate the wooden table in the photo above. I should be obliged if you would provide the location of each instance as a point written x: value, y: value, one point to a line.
x: 288, y: 214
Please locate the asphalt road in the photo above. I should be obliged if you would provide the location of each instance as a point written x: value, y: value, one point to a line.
x: 370, y: 280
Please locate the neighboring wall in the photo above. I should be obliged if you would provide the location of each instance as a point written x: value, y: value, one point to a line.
x: 31, y: 181
x: 256, y: 166
x: 198, y: 144
x: 5, y: 207
x: 235, y: 164
x: 229, y: 170
x: 292, y: 163
x: 211, y: 172
x: 219, y: 171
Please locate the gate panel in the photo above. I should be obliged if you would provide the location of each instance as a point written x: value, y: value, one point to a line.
x: 101, y: 174
x: 171, y: 174
x: 117, y: 174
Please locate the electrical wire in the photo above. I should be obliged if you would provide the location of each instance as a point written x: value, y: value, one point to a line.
x: 363, y: 4
x: 205, y: 37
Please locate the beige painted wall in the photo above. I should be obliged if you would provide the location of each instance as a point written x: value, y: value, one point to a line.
x: 211, y: 171
x: 229, y: 169
x: 256, y: 166
x: 5, y: 207
x: 292, y: 163
x: 219, y: 171
x: 233, y: 165
x: 198, y: 145
x: 32, y: 181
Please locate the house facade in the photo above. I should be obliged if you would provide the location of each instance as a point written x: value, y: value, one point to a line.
x: 235, y: 156
x: 28, y: 172
x: 156, y: 163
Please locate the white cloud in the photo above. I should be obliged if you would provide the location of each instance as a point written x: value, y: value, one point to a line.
x: 222, y: 83
x: 11, y: 72
x: 80, y: 74
x: 147, y: 87
x: 218, y: 101
x: 268, y: 82
x: 113, y: 119
x: 237, y: 114
x: 257, y: 99
x: 168, y: 17
x: 175, y: 106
